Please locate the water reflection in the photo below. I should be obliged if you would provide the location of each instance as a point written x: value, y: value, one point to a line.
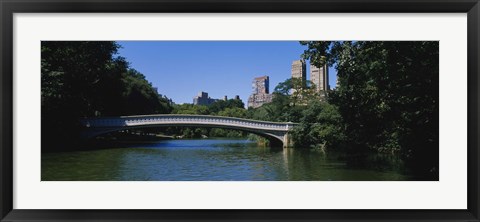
x: 210, y: 160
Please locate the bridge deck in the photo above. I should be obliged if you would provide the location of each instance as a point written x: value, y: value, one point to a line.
x: 277, y: 130
x: 169, y: 119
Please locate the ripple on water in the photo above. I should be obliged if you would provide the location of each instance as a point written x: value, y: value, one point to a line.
x: 202, y: 160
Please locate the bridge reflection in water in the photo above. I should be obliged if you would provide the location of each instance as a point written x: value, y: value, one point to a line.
x: 276, y: 132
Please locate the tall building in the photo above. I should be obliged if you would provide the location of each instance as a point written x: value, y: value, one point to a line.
x: 260, y: 92
x: 319, y: 77
x: 299, y: 70
x: 260, y: 85
x: 203, y: 99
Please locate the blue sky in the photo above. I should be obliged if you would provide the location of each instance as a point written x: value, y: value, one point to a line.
x: 181, y: 69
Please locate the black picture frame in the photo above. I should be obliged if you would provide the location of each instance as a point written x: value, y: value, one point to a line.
x: 9, y: 7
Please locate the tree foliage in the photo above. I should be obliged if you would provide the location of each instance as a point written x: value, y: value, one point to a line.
x: 320, y: 127
x: 220, y: 105
x: 289, y: 99
x: 190, y: 109
x: 229, y: 108
x: 139, y: 97
x: 85, y: 79
x: 387, y: 96
x: 297, y: 91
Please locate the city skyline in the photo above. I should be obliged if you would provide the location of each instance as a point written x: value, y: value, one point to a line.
x: 181, y: 69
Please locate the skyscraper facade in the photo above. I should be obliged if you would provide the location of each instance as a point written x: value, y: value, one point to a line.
x: 260, y: 85
x: 319, y: 77
x: 260, y: 92
x: 299, y: 70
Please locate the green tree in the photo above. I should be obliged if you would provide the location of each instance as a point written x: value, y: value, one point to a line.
x: 321, y: 126
x: 297, y: 91
x: 289, y: 99
x: 73, y: 76
x: 220, y: 105
x: 190, y: 109
x: 388, y: 96
x: 85, y: 79
x: 229, y: 108
x: 139, y: 96
x: 233, y: 112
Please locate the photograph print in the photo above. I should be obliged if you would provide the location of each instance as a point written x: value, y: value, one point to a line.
x: 240, y: 111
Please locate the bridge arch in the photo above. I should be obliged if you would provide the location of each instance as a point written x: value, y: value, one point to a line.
x: 276, y: 132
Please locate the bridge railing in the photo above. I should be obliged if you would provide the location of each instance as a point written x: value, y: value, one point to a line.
x: 183, y: 119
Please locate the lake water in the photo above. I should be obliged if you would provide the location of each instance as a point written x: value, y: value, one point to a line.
x: 211, y: 160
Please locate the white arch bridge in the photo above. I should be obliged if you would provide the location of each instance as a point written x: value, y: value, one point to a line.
x: 276, y: 132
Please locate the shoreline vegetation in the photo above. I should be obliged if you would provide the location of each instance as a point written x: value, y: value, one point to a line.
x: 386, y: 99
